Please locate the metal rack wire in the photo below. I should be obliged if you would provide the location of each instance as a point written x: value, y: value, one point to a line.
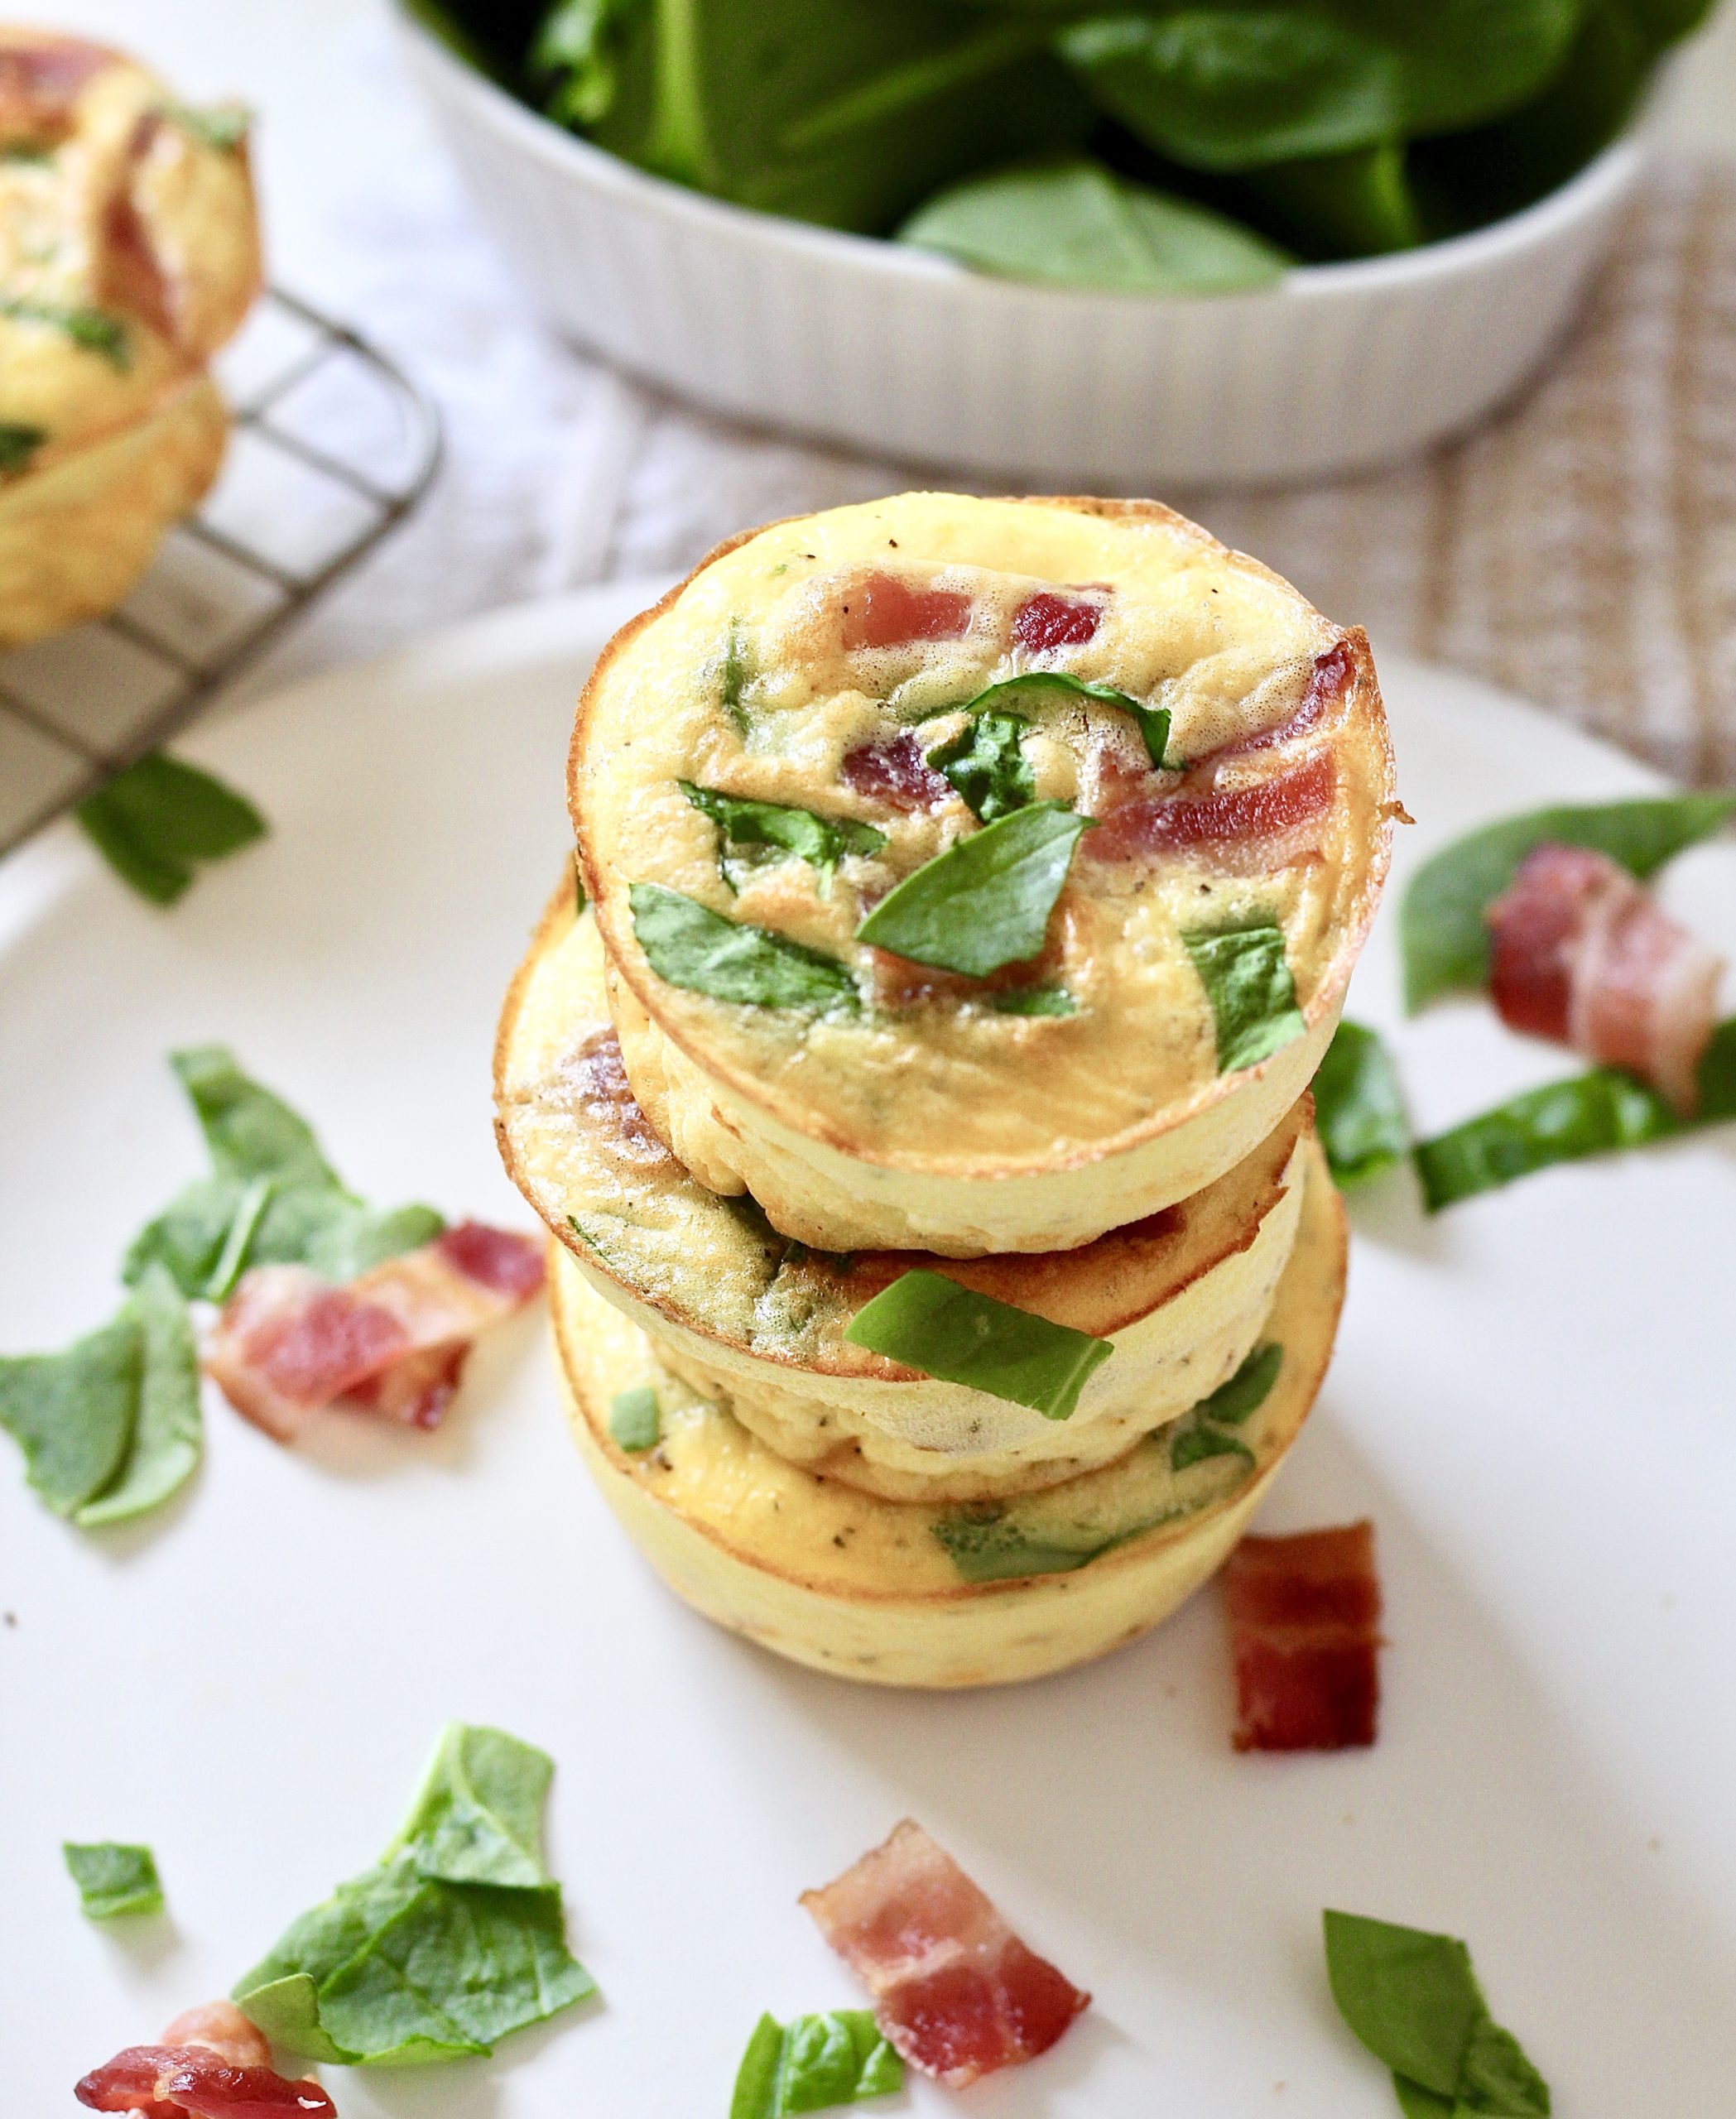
x: 333, y: 446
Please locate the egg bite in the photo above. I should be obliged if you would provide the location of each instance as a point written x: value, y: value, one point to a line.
x: 129, y: 253
x: 757, y: 1323
x: 1187, y: 773
x: 914, y: 1593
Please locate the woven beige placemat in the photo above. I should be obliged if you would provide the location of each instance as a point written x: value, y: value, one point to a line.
x: 1581, y: 549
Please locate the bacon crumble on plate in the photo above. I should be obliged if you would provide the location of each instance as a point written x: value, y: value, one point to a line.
x: 1305, y: 1626
x: 955, y: 1990
x: 1579, y: 952
x: 212, y: 2063
x: 392, y: 1342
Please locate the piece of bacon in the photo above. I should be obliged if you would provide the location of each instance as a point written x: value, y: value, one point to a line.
x: 1579, y: 952
x: 41, y: 79
x: 896, y: 773
x: 1220, y: 821
x: 392, y: 1342
x: 955, y: 1990
x: 599, y: 1076
x: 1050, y: 619
x: 1305, y: 1625
x: 212, y: 2063
x: 884, y: 610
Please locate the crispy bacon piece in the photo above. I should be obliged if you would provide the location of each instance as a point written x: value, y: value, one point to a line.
x: 1580, y: 952
x: 213, y: 2063
x: 392, y: 1342
x: 896, y: 773
x: 1305, y: 1623
x: 42, y: 77
x: 955, y: 1990
x: 884, y: 610
x: 1271, y: 810
x: 1329, y: 681
x: 1049, y: 619
x: 598, y: 1074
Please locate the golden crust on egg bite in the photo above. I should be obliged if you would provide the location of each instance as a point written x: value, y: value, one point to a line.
x: 905, y: 1594
x: 923, y: 1114
x: 758, y: 1322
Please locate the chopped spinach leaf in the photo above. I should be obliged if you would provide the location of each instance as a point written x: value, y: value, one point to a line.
x: 453, y: 1939
x: 158, y: 821
x: 73, y: 1414
x: 167, y: 1437
x: 689, y: 945
x: 1246, y: 1390
x: 1358, y: 1107
x: 986, y: 765
x: 223, y: 126
x: 812, y: 2063
x: 1246, y: 979
x: 18, y: 442
x: 1192, y: 1441
x: 1152, y: 721
x: 1073, y: 223
x: 1413, y: 2000
x: 733, y: 677
x: 112, y: 1878
x: 781, y: 830
x: 1442, y: 930
x: 986, y: 1544
x: 579, y: 898
x: 94, y: 330
x: 986, y: 900
x: 634, y: 1421
x: 935, y: 1325
x: 1035, y: 1001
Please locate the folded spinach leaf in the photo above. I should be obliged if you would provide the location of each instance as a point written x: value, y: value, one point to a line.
x: 985, y: 761
x: 1587, y: 1114
x: 112, y: 1879
x: 1247, y: 979
x: 155, y: 823
x: 1413, y: 2000
x: 1032, y: 685
x: 1442, y: 932
x: 1358, y: 1106
x: 1239, y: 88
x: 167, y: 1438
x: 73, y: 1414
x: 1201, y: 1433
x: 929, y: 1323
x: 1075, y: 224
x: 453, y: 1939
x: 689, y: 945
x: 986, y: 900
x: 812, y: 2063
x: 779, y: 831
x: 272, y: 1198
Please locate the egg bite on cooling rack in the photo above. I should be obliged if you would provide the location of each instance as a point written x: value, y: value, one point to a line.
x: 129, y: 253
x: 978, y: 875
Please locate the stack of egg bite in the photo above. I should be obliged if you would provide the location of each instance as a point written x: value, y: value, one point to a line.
x: 938, y: 1315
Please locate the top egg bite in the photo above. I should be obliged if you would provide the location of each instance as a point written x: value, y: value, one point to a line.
x: 1214, y: 763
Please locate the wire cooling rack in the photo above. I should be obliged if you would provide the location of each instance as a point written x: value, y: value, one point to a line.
x: 332, y: 446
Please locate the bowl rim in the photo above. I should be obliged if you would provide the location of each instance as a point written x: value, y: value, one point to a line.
x: 1604, y: 180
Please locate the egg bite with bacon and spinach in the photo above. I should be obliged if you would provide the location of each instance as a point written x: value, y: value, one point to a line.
x: 978, y: 875
x: 941, y: 1593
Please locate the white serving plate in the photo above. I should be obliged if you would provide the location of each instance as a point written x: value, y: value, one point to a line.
x: 1334, y: 369
x: 1532, y: 1398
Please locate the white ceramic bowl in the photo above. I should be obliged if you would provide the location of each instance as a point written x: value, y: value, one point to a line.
x: 1335, y: 369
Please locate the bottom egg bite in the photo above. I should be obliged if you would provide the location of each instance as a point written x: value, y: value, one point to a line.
x: 933, y: 1594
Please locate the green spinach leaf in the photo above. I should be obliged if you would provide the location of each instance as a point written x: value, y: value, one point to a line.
x: 112, y: 1878
x: 1075, y: 224
x: 987, y: 1544
x: 1035, y: 1001
x: 1152, y: 721
x: 812, y: 2063
x: 74, y: 1414
x: 583, y: 50
x: 94, y: 330
x: 1442, y: 932
x: 1246, y: 979
x: 1358, y: 1106
x: 986, y: 900
x: 158, y: 821
x: 689, y: 945
x: 1200, y: 1433
x: 1413, y: 2000
x: 929, y: 1323
x: 1361, y: 204
x: 1192, y: 1442
x: 634, y: 1421
x: 453, y: 1939
x: 985, y: 763
x: 223, y: 128
x: 1587, y: 1114
x: 167, y: 1437
x: 19, y: 442
x: 781, y: 830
